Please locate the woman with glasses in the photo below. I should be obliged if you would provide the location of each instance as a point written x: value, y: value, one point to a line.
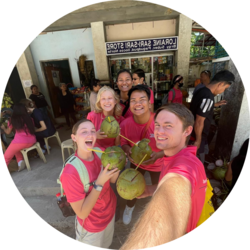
x: 124, y: 83
x: 175, y: 94
x: 205, y: 80
x: 94, y: 87
x: 139, y: 78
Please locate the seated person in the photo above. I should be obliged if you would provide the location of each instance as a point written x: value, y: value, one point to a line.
x: 22, y: 123
x: 43, y: 125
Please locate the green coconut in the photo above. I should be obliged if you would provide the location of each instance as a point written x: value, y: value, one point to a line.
x: 110, y: 127
x: 130, y: 184
x: 114, y: 156
x: 139, y: 151
x: 219, y: 173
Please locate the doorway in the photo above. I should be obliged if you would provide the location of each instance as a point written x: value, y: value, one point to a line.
x: 56, y: 72
x: 14, y: 87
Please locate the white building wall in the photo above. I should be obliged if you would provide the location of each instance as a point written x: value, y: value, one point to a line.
x: 62, y: 45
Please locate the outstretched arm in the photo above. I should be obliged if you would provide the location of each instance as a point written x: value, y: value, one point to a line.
x: 198, y: 128
x: 165, y: 217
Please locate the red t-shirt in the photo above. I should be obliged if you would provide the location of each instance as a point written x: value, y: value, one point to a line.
x: 134, y: 132
x: 178, y: 96
x: 186, y: 163
x: 97, y: 119
x: 104, y: 209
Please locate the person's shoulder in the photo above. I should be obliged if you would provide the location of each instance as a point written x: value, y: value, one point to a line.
x: 37, y: 112
x: 93, y: 115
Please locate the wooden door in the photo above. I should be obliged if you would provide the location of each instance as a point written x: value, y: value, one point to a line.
x: 52, y: 73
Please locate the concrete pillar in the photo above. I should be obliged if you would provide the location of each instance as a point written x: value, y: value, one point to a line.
x: 182, y: 55
x: 98, y: 35
x: 229, y: 118
x: 27, y: 71
x: 243, y: 127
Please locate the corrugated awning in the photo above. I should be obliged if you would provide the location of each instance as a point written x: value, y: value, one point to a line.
x: 208, y: 41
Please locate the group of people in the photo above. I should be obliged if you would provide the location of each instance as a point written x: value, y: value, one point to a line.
x: 177, y: 136
x: 30, y: 121
x: 177, y: 175
x: 30, y: 125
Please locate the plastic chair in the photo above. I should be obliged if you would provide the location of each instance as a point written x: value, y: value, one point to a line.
x: 39, y: 151
x: 69, y: 145
x: 47, y: 138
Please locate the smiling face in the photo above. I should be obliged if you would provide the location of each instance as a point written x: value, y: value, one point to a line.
x: 169, y: 133
x: 139, y: 103
x: 85, y: 136
x: 124, y: 82
x: 107, y: 101
x: 137, y: 80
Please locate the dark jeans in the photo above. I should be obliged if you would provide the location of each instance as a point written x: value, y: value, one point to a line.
x: 68, y: 113
x: 154, y: 179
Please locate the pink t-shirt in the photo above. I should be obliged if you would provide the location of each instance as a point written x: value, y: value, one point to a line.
x: 178, y: 96
x: 104, y: 209
x: 97, y: 119
x: 134, y: 132
x: 21, y: 136
x: 186, y: 163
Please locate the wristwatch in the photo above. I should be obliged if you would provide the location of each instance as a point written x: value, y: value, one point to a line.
x: 97, y: 187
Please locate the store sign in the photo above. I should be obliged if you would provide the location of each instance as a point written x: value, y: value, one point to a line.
x: 142, y: 45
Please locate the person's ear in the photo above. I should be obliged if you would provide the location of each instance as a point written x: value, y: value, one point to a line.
x: 73, y: 137
x: 188, y: 131
x: 149, y: 104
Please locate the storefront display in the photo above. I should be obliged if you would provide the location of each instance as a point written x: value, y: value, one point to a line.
x: 143, y: 63
x: 117, y: 65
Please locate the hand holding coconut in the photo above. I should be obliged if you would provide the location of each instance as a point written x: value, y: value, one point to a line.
x: 101, y: 135
x: 153, y: 157
x: 105, y: 175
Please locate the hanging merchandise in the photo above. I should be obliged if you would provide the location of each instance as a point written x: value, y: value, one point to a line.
x: 82, y: 60
x: 7, y: 102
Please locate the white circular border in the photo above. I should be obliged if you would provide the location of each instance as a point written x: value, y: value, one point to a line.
x: 22, y: 21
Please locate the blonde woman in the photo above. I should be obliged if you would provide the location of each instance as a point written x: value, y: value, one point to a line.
x: 107, y: 104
